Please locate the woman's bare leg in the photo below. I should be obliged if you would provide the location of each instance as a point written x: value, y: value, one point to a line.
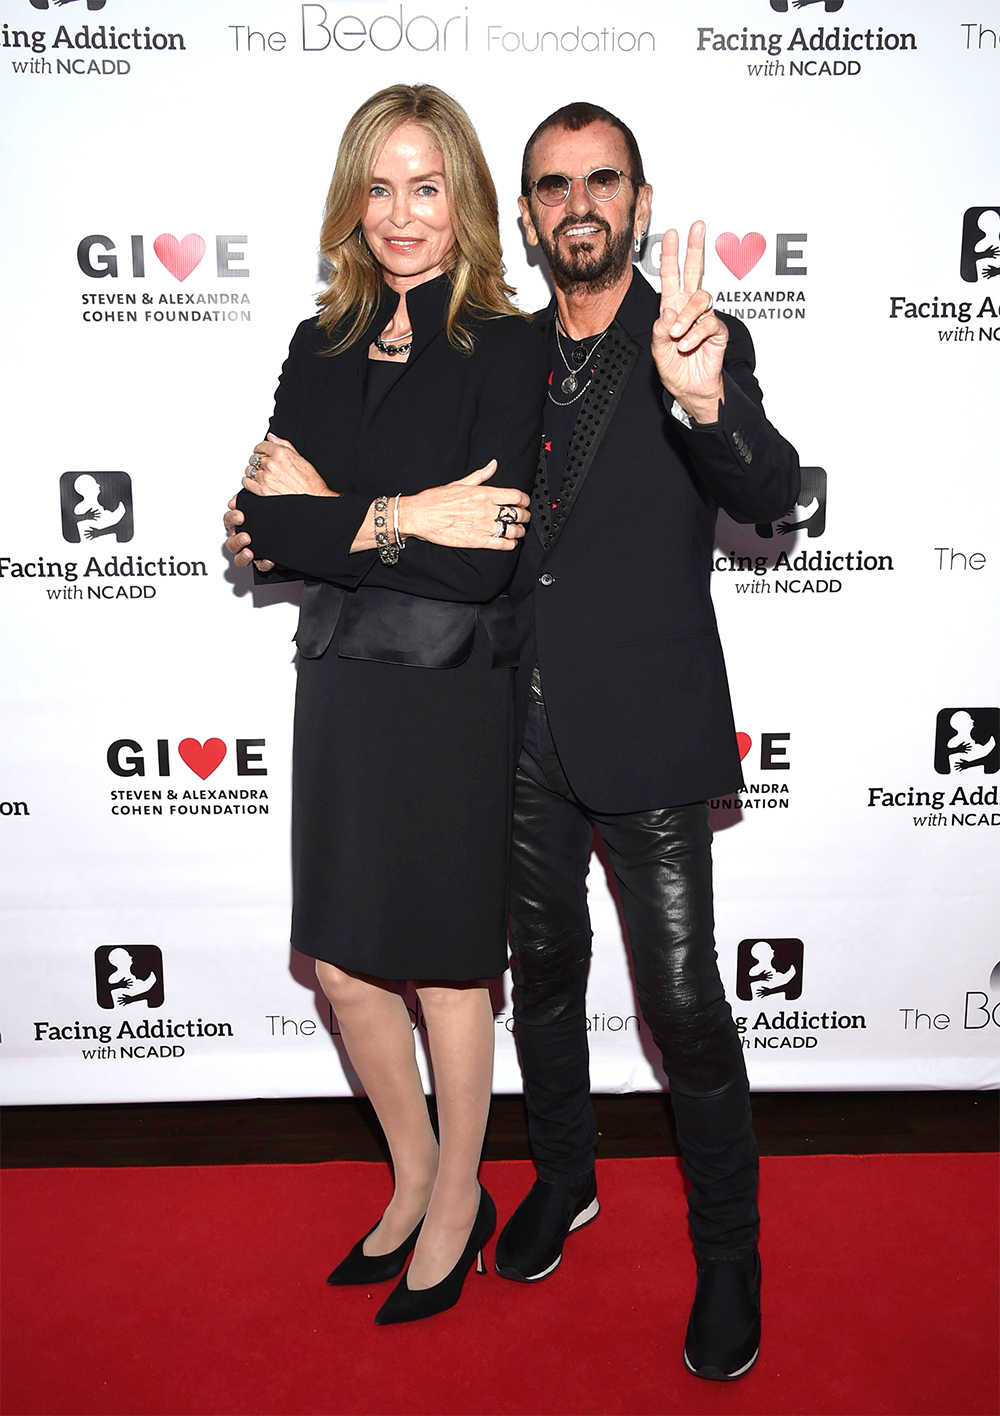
x: 378, y: 1035
x: 460, y: 1031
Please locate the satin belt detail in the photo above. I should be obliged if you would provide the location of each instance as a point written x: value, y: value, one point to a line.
x: 390, y: 627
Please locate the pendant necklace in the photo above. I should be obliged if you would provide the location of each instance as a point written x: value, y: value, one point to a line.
x: 580, y: 355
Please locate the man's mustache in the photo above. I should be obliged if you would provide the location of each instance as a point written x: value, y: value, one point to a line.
x: 591, y: 219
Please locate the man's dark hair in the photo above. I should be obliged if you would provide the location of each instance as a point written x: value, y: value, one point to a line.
x: 574, y: 117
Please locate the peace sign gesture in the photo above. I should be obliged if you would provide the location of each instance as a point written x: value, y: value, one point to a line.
x: 689, y: 340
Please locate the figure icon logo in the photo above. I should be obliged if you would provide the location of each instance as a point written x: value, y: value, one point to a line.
x: 127, y: 974
x: 980, y: 259
x: 96, y: 504
x: 967, y: 739
x: 809, y: 512
x: 765, y: 967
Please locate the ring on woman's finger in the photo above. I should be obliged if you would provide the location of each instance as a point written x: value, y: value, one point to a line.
x: 507, y: 514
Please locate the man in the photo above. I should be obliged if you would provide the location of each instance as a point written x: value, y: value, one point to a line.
x: 654, y: 420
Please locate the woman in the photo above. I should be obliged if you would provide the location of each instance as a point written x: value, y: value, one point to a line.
x: 418, y: 372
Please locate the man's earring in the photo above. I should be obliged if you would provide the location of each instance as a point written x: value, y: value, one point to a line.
x: 640, y: 236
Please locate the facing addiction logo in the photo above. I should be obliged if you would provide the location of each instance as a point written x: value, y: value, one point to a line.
x: 129, y: 978
x: 980, y: 256
x: 765, y: 967
x: 966, y: 740
x: 96, y: 504
x: 98, y: 507
x: 129, y: 974
x: 963, y: 321
x: 802, y: 54
x: 780, y: 572
x: 770, y: 970
x: 809, y: 512
x: 97, y: 42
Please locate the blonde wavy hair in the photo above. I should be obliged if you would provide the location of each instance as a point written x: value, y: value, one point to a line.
x: 475, y: 262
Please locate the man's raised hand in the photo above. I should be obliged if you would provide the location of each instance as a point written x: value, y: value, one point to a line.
x: 689, y: 339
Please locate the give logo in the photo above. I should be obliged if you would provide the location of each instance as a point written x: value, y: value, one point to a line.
x: 202, y: 757
x: 179, y: 257
x: 127, y: 758
x: 773, y: 758
x: 740, y: 255
x: 97, y: 256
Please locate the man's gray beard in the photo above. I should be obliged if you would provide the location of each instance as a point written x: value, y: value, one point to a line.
x: 592, y: 276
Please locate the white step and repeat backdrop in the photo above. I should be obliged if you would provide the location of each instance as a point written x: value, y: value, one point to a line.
x: 166, y: 167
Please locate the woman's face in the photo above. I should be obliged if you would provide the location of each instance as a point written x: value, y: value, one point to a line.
x: 408, y: 225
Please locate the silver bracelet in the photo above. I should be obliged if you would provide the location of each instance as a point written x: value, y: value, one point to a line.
x: 400, y: 543
x: 389, y: 554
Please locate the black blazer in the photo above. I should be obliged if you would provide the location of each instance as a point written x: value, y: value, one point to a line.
x: 612, y: 591
x: 447, y: 414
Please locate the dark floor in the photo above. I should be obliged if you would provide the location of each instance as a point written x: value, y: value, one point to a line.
x: 269, y: 1132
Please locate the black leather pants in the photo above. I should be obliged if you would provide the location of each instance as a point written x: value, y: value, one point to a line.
x: 663, y: 865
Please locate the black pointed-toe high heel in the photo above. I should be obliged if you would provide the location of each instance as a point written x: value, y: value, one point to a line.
x: 407, y: 1305
x: 360, y: 1267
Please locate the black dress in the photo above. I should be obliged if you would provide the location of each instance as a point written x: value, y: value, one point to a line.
x: 403, y: 754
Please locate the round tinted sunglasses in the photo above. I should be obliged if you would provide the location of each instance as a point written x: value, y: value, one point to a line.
x: 602, y: 184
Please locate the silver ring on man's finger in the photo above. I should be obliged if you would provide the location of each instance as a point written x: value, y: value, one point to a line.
x: 500, y: 533
x: 507, y: 514
x: 251, y: 474
x: 254, y: 462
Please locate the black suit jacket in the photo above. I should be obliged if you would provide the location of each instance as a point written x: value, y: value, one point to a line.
x: 612, y: 593
x: 447, y: 414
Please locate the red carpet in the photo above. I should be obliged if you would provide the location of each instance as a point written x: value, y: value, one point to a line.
x: 201, y: 1291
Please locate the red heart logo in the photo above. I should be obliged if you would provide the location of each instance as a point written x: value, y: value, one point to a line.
x: 738, y: 256
x: 202, y: 758
x: 179, y: 257
x: 743, y: 741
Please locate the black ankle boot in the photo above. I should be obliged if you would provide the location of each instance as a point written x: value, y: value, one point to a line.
x: 723, y: 1336
x: 530, y: 1246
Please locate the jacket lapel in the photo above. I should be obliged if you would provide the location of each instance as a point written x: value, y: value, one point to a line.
x: 614, y: 362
